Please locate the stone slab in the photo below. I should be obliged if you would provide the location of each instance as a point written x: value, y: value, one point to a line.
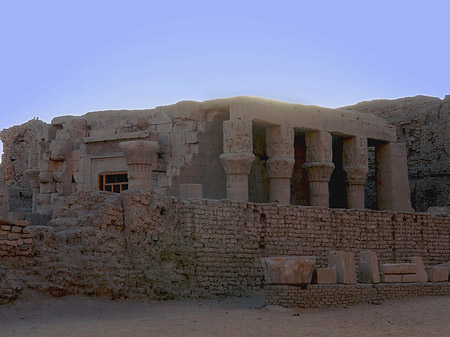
x: 390, y: 278
x: 410, y: 278
x: 398, y: 268
x: 324, y: 276
x: 344, y: 263
x: 421, y: 273
x: 288, y: 269
x: 368, y: 267
x: 437, y: 274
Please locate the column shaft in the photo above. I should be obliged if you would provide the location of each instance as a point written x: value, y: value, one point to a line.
x: 393, y: 191
x: 280, y: 149
x: 140, y: 156
x: 355, y: 164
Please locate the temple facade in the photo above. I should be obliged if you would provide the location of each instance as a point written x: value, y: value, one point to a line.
x: 241, y: 148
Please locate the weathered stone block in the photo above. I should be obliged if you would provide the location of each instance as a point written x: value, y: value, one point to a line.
x: 390, y: 278
x: 398, y: 268
x: 344, y: 262
x: 288, y: 269
x: 421, y: 273
x: 410, y: 278
x: 368, y: 268
x: 324, y: 276
x: 437, y: 274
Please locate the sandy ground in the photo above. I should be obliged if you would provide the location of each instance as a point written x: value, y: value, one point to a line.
x: 38, y: 315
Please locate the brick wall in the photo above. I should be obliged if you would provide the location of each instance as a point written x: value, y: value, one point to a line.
x: 318, y: 296
x: 139, y: 245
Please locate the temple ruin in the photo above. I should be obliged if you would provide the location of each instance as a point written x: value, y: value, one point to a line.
x: 241, y: 148
x: 186, y: 200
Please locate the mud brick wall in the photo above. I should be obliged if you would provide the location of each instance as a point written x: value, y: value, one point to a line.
x: 318, y: 296
x: 141, y: 245
x: 15, y: 239
x: 230, y: 237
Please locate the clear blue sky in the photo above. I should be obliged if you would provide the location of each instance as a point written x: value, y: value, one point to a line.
x: 71, y: 57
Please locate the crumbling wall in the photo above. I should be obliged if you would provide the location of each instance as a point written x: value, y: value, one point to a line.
x: 140, y: 245
x: 20, y: 143
x: 423, y: 123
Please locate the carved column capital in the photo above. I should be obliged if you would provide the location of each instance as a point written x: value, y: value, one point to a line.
x: 237, y: 163
x: 319, y: 171
x: 237, y: 157
x: 140, y: 156
x: 278, y: 168
x: 319, y: 166
x: 237, y: 136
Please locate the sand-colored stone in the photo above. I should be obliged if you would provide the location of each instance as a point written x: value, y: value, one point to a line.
x: 391, y: 278
x: 324, y: 276
x: 288, y: 269
x: 344, y: 263
x: 398, y: 268
x: 421, y: 273
x: 437, y: 274
x: 368, y: 267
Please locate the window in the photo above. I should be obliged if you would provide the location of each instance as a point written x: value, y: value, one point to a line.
x: 113, y: 181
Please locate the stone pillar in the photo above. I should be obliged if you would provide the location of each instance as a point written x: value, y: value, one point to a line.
x: 141, y: 157
x: 33, y: 175
x: 47, y: 182
x: 237, y: 157
x: 392, y: 178
x: 355, y: 164
x: 280, y: 149
x: 319, y: 166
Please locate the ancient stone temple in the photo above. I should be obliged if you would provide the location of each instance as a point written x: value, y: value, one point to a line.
x: 240, y: 148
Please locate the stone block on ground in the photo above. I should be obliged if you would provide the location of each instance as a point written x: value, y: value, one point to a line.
x: 410, y: 278
x: 288, y: 269
x: 324, y: 276
x: 421, y: 273
x: 390, y: 278
x: 447, y: 265
x: 344, y: 262
x: 398, y: 268
x: 437, y: 274
x: 368, y: 267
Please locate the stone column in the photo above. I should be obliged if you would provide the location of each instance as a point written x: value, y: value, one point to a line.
x: 280, y: 149
x: 237, y: 157
x: 392, y: 178
x: 141, y: 157
x: 319, y: 166
x: 355, y: 164
x: 33, y: 175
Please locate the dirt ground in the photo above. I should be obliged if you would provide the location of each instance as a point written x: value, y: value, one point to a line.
x: 38, y: 315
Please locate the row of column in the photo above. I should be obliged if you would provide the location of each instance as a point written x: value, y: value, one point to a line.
x: 238, y: 157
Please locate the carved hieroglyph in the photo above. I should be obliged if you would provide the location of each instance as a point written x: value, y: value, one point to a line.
x: 238, y: 157
x: 280, y: 149
x: 355, y: 164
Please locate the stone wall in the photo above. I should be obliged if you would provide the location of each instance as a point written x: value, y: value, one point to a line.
x: 318, y: 296
x: 15, y: 239
x: 140, y: 245
x: 423, y: 124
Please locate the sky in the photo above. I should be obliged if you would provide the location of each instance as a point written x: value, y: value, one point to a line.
x: 70, y: 57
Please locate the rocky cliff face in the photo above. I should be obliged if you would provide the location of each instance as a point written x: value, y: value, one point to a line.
x: 423, y: 123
